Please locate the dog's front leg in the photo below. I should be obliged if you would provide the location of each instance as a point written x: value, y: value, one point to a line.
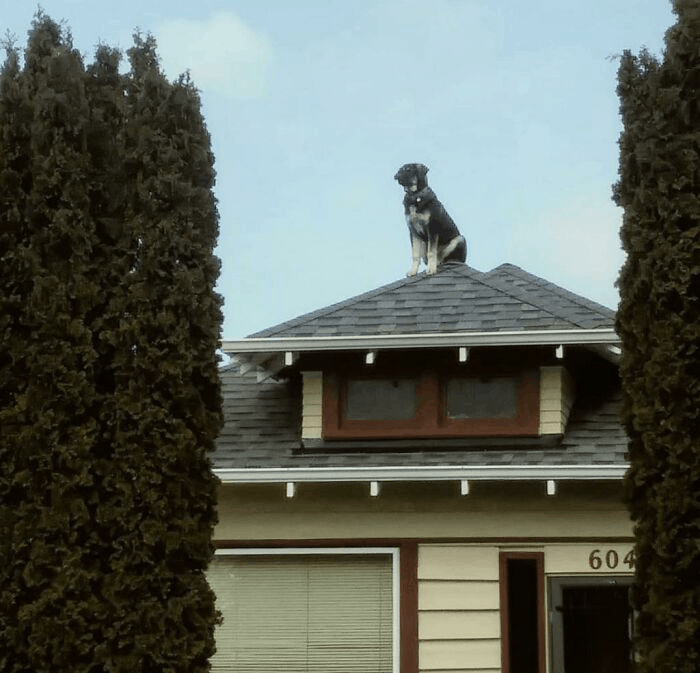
x: 417, y: 253
x: 432, y: 264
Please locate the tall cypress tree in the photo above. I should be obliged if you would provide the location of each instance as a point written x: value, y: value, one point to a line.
x: 659, y: 324
x: 15, y: 283
x: 109, y: 355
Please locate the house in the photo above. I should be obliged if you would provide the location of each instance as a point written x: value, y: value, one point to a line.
x: 426, y: 477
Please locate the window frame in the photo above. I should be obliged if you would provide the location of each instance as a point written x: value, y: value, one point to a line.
x: 394, y: 552
x: 431, y: 419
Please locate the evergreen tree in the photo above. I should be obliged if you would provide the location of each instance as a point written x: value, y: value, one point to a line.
x: 110, y: 397
x: 659, y: 324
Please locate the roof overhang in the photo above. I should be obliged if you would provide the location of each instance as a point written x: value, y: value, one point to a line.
x: 270, y: 354
x: 418, y: 473
x: 604, y: 336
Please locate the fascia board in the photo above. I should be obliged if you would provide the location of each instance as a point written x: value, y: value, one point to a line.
x: 605, y: 336
x: 428, y: 473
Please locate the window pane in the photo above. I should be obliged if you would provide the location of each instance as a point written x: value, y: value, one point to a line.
x: 380, y: 399
x: 482, y: 398
x: 303, y: 614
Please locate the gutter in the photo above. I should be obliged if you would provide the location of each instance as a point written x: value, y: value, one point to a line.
x: 603, y: 336
x: 419, y: 473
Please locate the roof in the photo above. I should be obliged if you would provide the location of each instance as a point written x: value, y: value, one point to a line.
x: 457, y: 299
x: 262, y: 431
x: 262, y: 419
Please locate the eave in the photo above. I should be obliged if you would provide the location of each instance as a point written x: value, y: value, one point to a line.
x: 602, y: 336
x: 427, y: 473
x: 270, y: 354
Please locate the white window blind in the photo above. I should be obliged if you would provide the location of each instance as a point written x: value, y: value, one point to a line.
x: 304, y: 613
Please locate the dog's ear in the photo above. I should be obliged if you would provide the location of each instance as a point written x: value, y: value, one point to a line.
x: 421, y: 170
x: 402, y: 173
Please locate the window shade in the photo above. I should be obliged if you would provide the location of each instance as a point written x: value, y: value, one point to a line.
x: 303, y: 613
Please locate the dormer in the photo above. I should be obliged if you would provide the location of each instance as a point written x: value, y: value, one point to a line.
x: 444, y: 401
x: 458, y: 359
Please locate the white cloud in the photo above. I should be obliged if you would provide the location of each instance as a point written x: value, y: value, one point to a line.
x: 222, y: 52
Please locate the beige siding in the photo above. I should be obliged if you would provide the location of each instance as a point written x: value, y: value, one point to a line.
x: 312, y: 405
x: 453, y: 655
x: 556, y: 399
x: 459, y: 624
x: 263, y: 513
x: 445, y: 595
x: 458, y: 607
x: 457, y: 562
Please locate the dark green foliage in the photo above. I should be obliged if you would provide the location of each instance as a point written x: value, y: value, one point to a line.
x: 109, y: 392
x: 659, y: 323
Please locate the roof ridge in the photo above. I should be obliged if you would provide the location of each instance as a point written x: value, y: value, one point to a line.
x: 573, y: 297
x: 486, y: 279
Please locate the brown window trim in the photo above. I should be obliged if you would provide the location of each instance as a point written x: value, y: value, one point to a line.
x: 430, y: 419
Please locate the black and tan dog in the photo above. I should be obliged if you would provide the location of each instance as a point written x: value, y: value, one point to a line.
x: 434, y: 236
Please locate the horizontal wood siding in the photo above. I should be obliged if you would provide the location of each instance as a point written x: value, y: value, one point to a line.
x: 455, y: 654
x: 459, y: 624
x: 458, y: 608
x: 312, y: 405
x: 556, y: 399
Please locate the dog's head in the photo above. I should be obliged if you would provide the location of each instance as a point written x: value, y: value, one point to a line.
x: 412, y: 177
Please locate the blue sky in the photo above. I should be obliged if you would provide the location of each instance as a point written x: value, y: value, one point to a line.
x: 312, y: 106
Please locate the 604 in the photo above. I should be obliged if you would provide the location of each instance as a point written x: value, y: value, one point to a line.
x: 610, y: 559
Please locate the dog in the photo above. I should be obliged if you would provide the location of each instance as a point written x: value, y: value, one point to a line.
x: 434, y: 236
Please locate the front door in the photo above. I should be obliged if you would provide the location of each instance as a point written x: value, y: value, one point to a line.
x: 590, y: 624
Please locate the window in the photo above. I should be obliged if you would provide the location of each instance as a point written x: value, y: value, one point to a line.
x: 495, y: 397
x: 380, y: 399
x: 306, y: 610
x: 430, y: 405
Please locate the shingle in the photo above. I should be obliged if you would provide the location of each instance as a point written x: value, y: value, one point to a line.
x: 262, y: 430
x: 440, y: 303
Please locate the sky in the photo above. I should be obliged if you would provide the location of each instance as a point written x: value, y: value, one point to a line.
x: 312, y: 106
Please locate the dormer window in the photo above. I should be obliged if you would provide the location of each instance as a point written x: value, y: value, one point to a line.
x: 379, y: 399
x: 430, y: 404
x: 487, y: 397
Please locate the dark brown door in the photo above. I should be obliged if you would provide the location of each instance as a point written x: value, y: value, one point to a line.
x: 590, y: 625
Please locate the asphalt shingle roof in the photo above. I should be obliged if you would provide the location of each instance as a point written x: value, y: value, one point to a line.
x: 457, y: 299
x: 262, y: 420
x: 262, y: 430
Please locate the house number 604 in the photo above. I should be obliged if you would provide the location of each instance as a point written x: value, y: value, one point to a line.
x: 609, y: 559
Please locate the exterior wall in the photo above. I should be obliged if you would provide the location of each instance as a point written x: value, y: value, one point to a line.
x: 312, y: 405
x: 458, y: 608
x: 425, y: 512
x: 556, y: 399
x: 584, y: 530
